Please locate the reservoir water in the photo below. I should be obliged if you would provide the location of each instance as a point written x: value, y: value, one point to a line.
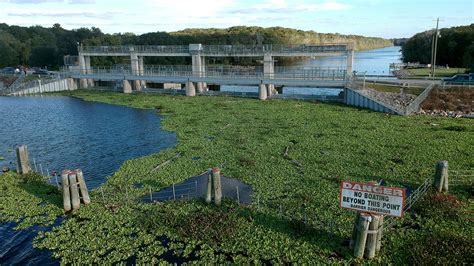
x: 64, y: 132
x: 371, y: 62
x: 68, y: 133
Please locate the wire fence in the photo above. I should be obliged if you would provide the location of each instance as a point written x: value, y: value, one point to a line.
x: 461, y: 177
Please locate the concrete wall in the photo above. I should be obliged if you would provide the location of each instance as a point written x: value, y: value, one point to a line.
x: 55, y: 86
x: 354, y: 98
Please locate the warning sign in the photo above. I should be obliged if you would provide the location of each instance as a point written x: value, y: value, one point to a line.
x: 372, y: 198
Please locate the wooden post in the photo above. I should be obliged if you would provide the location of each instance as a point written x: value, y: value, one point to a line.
x: 22, y: 161
x: 151, y: 195
x: 209, y: 186
x: 361, y: 238
x: 66, y: 194
x: 82, y: 186
x: 441, y: 176
x: 216, y: 176
x: 174, y: 193
x: 238, y: 196
x: 354, y: 231
x: 370, y: 246
x: 76, y: 202
x: 379, y: 235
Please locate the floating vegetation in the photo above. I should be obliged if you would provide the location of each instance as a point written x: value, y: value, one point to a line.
x: 294, y: 216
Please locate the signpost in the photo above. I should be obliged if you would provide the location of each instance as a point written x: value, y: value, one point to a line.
x: 371, y: 198
x: 372, y: 202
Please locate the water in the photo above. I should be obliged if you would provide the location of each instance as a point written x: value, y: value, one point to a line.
x: 371, y: 62
x: 68, y: 133
x: 196, y: 187
x: 64, y: 132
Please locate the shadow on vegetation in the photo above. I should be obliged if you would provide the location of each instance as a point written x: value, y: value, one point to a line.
x: 36, y: 186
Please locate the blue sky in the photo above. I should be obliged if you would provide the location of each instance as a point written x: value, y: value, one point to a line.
x: 381, y: 18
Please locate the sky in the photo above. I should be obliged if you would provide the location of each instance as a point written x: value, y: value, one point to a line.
x: 378, y: 18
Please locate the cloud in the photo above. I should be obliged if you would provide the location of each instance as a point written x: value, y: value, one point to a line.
x: 103, y: 15
x: 33, y: 1
x: 81, y: 2
x: 282, y: 7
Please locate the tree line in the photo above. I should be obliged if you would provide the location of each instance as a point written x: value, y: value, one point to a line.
x: 45, y: 47
x: 455, y: 47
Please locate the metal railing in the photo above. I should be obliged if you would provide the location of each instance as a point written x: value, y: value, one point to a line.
x: 28, y: 85
x: 410, y: 201
x: 302, y: 73
x: 219, y: 49
x: 415, y: 105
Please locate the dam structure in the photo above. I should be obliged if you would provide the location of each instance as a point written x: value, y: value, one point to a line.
x: 198, y: 76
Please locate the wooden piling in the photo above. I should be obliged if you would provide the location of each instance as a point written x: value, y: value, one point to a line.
x: 22, y: 161
x: 370, y: 246
x: 66, y: 193
x: 82, y: 186
x: 379, y: 235
x: 75, y: 200
x: 361, y: 238
x: 209, y: 186
x: 441, y: 176
x: 354, y: 231
x: 216, y: 176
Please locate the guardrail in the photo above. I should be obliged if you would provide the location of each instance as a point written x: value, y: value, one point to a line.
x: 415, y: 105
x: 219, y: 49
x: 218, y: 72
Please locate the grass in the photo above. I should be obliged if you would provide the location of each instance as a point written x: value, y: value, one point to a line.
x: 440, y: 72
x: 395, y: 89
x: 332, y: 142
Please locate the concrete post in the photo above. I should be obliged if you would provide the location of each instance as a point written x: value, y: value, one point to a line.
x: 127, y: 88
x: 82, y: 66
x: 269, y: 72
x: 87, y: 60
x: 262, y: 92
x: 190, y: 90
x: 197, y: 69
x: 141, y: 67
x: 135, y: 70
x: 350, y: 61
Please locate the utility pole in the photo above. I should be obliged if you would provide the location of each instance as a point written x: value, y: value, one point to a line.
x: 434, y: 48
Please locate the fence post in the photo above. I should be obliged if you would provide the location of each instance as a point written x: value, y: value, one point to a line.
x: 441, y: 176
x: 216, y: 174
x: 372, y: 237
x: 76, y: 202
x: 151, y: 195
x: 209, y: 186
x: 66, y: 193
x: 174, y: 193
x: 361, y: 237
x: 238, y: 196
x: 354, y: 231
x: 22, y: 162
x: 83, y: 187
x: 378, y: 245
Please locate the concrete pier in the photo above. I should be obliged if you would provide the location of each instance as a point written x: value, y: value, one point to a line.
x: 82, y: 65
x: 262, y: 92
x: 127, y: 87
x: 350, y: 61
x: 190, y: 89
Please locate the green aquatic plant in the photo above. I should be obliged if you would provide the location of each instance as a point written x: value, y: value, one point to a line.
x: 293, y: 153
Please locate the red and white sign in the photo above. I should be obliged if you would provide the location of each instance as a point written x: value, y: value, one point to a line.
x: 372, y: 198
